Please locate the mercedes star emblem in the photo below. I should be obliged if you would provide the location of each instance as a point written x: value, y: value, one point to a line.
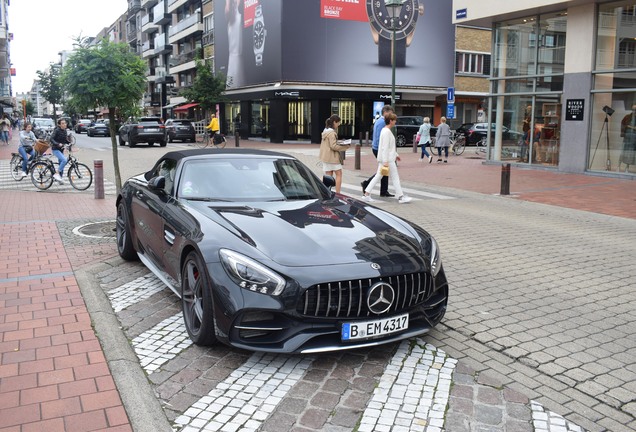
x: 380, y: 298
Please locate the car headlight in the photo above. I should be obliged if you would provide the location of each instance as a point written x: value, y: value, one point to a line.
x: 250, y: 275
x: 436, y: 258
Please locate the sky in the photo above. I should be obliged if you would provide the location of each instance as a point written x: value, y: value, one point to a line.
x: 43, y: 28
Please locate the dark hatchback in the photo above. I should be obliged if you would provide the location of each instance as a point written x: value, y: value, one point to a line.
x: 180, y: 130
x: 143, y: 130
x: 100, y: 128
x: 265, y: 257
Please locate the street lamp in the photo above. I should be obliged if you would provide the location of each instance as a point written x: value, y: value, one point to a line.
x: 393, y: 8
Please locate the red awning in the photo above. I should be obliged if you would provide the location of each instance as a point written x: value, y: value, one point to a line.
x: 185, y: 107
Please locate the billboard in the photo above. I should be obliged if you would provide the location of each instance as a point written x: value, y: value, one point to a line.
x: 333, y: 41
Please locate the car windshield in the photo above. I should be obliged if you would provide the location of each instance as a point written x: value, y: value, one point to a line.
x: 249, y: 179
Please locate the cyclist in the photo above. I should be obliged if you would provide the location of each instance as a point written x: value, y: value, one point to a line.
x: 214, y: 128
x: 27, y: 139
x: 58, y: 139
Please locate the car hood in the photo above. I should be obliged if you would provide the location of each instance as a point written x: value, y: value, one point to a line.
x: 300, y: 233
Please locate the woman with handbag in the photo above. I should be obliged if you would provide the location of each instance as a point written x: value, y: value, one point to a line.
x: 27, y: 139
x: 330, y: 149
x: 387, y: 158
x: 424, y: 139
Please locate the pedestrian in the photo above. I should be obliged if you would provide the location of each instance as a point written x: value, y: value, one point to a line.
x: 628, y: 132
x: 424, y: 139
x: 378, y: 126
x: 387, y: 157
x: 27, y: 140
x: 442, y: 140
x: 59, y: 138
x: 5, y: 126
x: 330, y: 149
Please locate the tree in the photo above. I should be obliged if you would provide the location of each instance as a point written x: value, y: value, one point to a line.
x: 207, y: 88
x: 51, y: 86
x: 106, y: 75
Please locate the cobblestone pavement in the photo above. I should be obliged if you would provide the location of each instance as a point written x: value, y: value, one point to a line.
x: 538, y: 335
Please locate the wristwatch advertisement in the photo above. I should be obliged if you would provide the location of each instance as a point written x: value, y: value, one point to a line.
x: 259, y: 35
x: 382, y: 29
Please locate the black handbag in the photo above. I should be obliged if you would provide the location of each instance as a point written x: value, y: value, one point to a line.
x: 28, y: 149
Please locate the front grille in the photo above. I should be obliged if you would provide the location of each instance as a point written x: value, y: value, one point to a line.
x: 348, y: 299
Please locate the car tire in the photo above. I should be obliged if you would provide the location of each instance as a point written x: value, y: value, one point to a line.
x: 196, y: 301
x: 123, y: 235
x: 121, y: 141
x: 163, y: 143
x: 170, y: 139
x: 400, y: 140
x: 132, y: 144
x: 88, y: 133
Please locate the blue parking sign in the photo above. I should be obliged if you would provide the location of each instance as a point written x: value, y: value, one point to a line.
x: 450, y: 94
x: 450, y: 111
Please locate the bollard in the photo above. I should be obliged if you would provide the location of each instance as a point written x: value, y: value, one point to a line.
x: 415, y: 143
x: 357, y: 153
x: 236, y: 139
x: 505, y: 179
x: 366, y: 140
x: 98, y: 168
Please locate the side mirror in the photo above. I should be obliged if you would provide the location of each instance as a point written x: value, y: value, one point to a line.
x: 157, y: 183
x: 328, y: 181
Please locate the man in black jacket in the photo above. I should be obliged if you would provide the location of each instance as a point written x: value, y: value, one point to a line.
x: 59, y: 137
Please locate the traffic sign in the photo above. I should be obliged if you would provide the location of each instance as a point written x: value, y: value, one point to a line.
x: 450, y: 95
x: 450, y: 111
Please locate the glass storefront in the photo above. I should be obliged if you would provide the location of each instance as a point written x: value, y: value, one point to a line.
x: 299, y: 120
x: 613, y: 143
x: 260, y: 119
x: 346, y: 109
x: 528, y: 69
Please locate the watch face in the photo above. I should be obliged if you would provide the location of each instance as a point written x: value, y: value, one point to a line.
x: 404, y: 21
x: 259, y: 34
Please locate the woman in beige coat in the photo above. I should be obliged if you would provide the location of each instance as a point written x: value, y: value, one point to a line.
x: 330, y: 150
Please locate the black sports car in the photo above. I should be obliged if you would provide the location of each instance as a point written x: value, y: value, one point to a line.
x: 266, y: 257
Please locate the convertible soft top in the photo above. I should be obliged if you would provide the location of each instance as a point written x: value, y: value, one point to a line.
x: 177, y: 155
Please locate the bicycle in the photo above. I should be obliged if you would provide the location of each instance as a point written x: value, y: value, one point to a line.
x: 458, y: 143
x: 203, y: 140
x: 481, y: 146
x: 79, y: 175
x: 15, y: 165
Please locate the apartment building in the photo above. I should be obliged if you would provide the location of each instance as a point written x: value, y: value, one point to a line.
x: 6, y: 100
x: 564, y: 74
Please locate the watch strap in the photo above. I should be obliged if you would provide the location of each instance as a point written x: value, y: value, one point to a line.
x: 384, y: 52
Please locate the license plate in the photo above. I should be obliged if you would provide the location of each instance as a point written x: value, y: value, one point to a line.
x: 151, y: 129
x: 369, y: 329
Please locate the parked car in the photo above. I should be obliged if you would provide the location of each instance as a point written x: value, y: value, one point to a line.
x: 480, y: 130
x: 181, y: 130
x: 406, y: 127
x: 99, y: 128
x: 42, y: 126
x: 82, y: 125
x: 144, y: 130
x: 265, y: 257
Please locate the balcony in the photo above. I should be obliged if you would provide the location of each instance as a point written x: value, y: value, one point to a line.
x: 148, y: 3
x: 208, y: 38
x: 188, y: 26
x: 173, y: 5
x: 147, y: 24
x: 161, y: 46
x: 131, y: 33
x: 180, y: 59
x: 160, y: 14
x: 148, y: 49
x: 134, y: 6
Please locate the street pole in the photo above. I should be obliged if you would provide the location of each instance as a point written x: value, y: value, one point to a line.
x: 393, y: 63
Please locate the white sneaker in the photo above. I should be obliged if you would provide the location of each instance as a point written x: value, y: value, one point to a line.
x: 430, y: 159
x: 58, y: 178
x: 404, y: 199
x: 367, y: 198
x: 23, y: 174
